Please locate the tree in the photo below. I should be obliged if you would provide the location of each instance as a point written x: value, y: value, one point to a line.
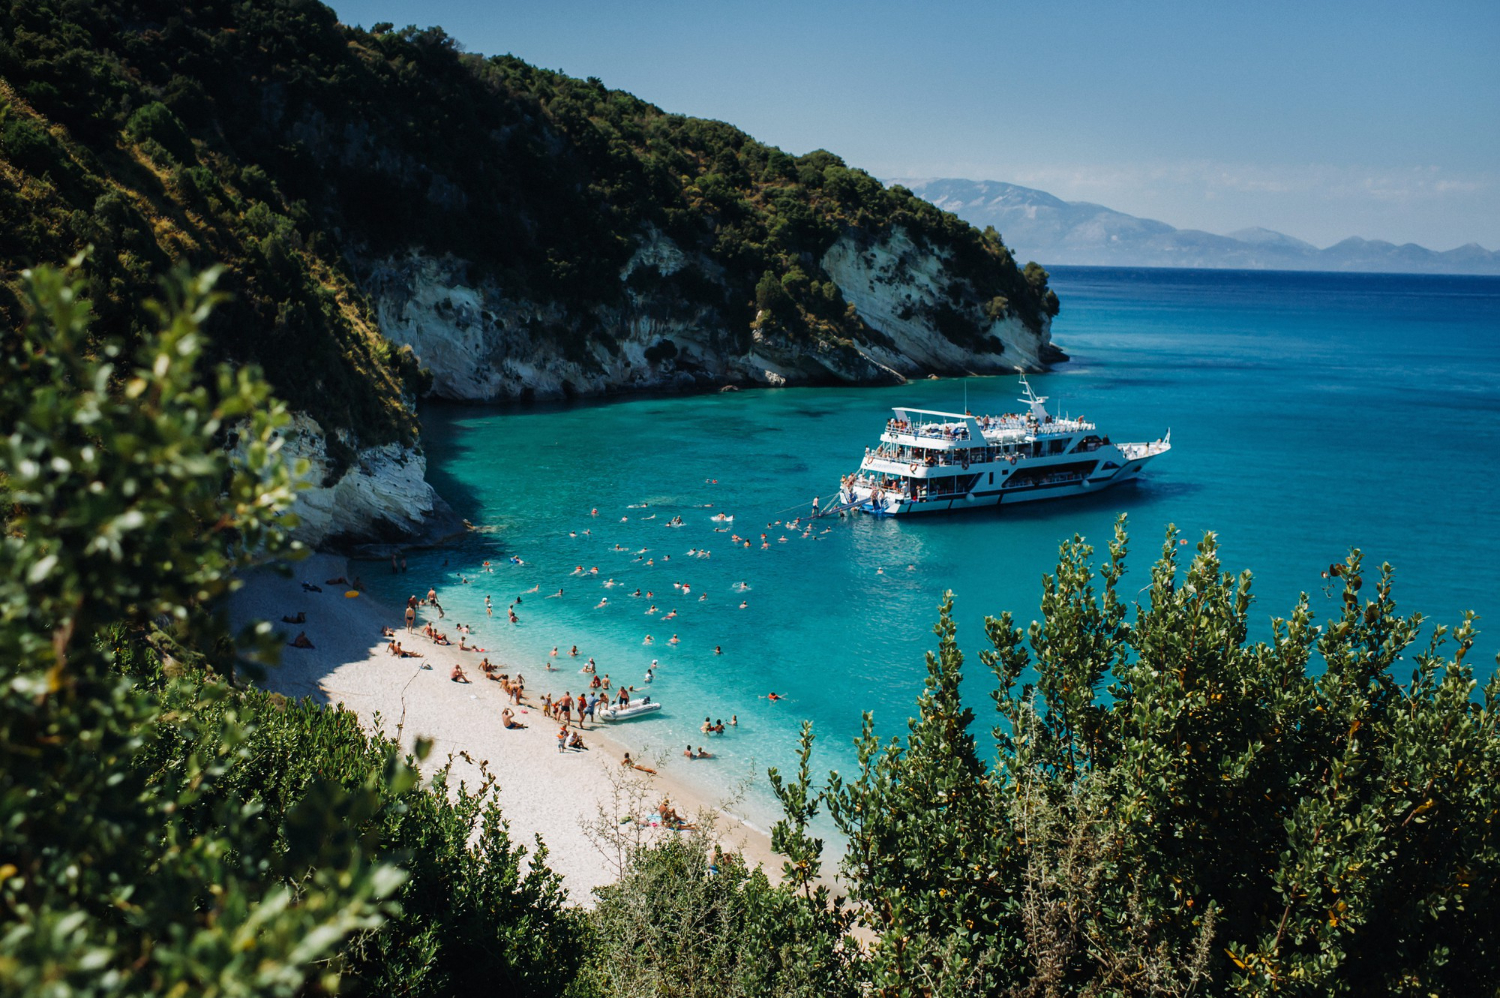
x: 123, y: 510
x: 1226, y: 816
x: 165, y: 832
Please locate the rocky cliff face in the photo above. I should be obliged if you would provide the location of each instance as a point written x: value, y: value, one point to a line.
x: 482, y: 344
x: 382, y: 496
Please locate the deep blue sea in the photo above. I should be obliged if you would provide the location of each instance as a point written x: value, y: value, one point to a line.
x: 1310, y: 413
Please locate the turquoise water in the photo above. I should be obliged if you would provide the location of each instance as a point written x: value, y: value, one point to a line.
x: 1309, y: 413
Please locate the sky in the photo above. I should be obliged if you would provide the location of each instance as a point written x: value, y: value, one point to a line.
x: 1322, y: 120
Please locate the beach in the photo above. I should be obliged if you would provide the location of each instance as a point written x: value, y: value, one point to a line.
x: 560, y: 796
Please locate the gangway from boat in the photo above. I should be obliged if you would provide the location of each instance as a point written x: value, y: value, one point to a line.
x: 838, y: 508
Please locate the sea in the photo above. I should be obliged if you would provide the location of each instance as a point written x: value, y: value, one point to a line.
x: 1309, y: 414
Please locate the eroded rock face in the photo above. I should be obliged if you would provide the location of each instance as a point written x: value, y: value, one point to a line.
x: 382, y: 496
x: 482, y: 344
x: 898, y: 286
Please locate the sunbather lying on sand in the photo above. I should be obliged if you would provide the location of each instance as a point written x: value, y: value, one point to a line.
x: 671, y: 819
x: 627, y: 761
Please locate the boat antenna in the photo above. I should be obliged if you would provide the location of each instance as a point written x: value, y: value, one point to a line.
x: 966, y: 396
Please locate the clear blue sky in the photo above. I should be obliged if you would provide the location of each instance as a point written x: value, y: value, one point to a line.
x: 1322, y: 120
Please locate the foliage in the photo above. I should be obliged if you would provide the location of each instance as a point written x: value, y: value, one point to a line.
x: 1225, y: 817
x: 687, y: 920
x: 163, y: 832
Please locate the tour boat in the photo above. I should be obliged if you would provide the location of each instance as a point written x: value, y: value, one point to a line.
x: 634, y: 708
x: 931, y: 461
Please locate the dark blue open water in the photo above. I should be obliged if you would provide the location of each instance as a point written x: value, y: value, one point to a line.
x: 1309, y: 413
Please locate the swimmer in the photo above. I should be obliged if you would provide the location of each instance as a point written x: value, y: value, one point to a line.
x: 574, y: 652
x: 774, y: 696
x: 572, y: 533
x: 652, y: 610
x: 743, y: 587
x: 594, y: 511
x: 624, y: 519
x: 674, y: 640
x: 603, y: 602
x: 702, y: 597
x: 718, y: 650
x: 636, y: 593
x: 537, y: 588
x: 554, y: 651
x: 648, y: 640
x: 911, y: 568
x: 744, y: 603
x: 734, y: 720
x: 554, y: 595
x: 670, y: 615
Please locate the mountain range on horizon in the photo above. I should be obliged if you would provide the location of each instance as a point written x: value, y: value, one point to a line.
x: 1040, y: 226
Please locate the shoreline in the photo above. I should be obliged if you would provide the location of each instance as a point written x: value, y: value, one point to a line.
x: 561, y: 796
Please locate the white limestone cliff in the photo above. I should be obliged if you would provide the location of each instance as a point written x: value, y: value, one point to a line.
x: 895, y: 285
x: 382, y: 495
x: 483, y: 344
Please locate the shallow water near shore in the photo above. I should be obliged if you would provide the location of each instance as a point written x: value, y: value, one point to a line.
x: 1310, y: 413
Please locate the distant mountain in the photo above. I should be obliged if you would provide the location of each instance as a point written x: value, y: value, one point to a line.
x: 1038, y: 226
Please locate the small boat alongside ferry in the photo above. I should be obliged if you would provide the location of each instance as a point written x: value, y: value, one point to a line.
x: 930, y: 461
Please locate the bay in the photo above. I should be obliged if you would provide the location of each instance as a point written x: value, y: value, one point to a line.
x: 1310, y: 413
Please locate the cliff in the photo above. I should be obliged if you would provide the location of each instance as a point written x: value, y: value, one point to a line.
x: 398, y: 217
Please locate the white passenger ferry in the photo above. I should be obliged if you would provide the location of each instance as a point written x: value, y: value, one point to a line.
x: 933, y: 461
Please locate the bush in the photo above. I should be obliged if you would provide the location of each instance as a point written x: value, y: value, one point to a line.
x: 156, y: 122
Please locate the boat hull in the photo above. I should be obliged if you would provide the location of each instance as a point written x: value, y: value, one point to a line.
x: 997, y: 496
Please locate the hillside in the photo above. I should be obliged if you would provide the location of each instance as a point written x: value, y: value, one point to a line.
x: 1082, y: 233
x: 524, y: 233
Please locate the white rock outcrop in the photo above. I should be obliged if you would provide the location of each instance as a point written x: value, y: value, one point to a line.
x: 383, y: 495
x: 895, y: 285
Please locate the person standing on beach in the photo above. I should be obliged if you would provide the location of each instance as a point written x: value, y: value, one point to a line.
x: 562, y: 738
x: 411, y: 619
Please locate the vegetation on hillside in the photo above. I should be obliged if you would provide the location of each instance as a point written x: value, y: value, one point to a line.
x: 267, y: 136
